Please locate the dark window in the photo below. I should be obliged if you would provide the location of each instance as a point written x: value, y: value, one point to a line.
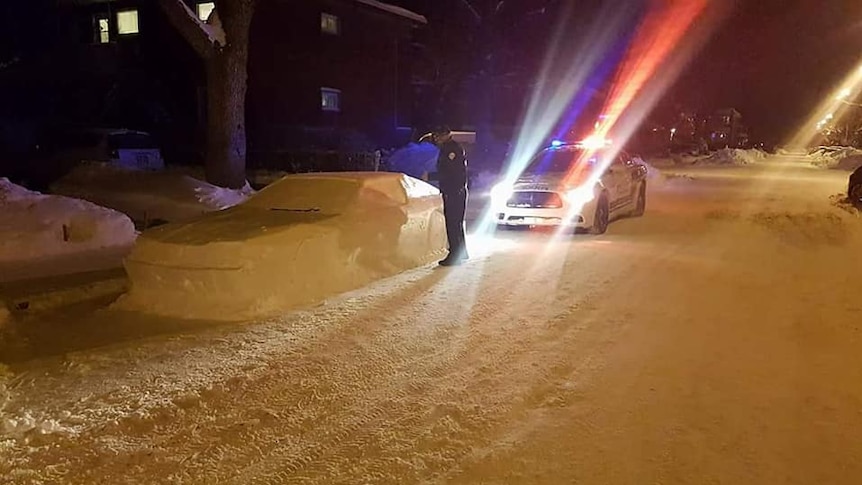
x: 330, y: 99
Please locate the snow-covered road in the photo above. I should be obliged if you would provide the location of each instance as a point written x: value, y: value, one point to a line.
x: 718, y: 339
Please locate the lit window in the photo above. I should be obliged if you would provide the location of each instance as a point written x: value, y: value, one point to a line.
x: 205, y: 9
x: 127, y: 22
x: 330, y: 99
x: 329, y: 24
x: 103, y: 31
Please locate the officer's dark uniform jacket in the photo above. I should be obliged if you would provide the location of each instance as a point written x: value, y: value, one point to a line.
x: 452, y: 176
x: 452, y: 167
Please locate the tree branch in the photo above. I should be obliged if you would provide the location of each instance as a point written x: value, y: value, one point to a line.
x: 473, y: 10
x: 197, y: 33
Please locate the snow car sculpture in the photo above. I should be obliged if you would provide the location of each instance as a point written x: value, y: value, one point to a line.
x: 298, y: 241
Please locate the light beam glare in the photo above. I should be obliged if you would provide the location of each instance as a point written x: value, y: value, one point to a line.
x: 831, y: 110
x: 665, y: 42
x: 655, y: 59
x: 657, y: 43
x: 553, y: 94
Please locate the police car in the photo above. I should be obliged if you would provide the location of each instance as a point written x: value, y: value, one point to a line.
x: 583, y: 186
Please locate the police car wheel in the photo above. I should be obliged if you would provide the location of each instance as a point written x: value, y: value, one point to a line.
x: 855, y: 195
x: 640, y: 202
x: 602, y: 217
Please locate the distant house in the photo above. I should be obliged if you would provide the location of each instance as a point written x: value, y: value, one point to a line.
x: 724, y: 129
x: 323, y: 74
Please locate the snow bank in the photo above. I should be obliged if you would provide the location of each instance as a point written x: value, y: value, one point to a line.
x: 35, y: 227
x: 732, y: 156
x: 837, y: 158
x: 298, y: 241
x: 657, y: 177
x: 792, y: 152
x: 675, y: 160
x: 723, y: 157
x: 147, y: 195
x: 842, y: 202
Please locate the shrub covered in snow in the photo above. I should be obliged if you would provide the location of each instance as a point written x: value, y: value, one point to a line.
x: 838, y: 158
x: 147, y: 196
x: 35, y: 226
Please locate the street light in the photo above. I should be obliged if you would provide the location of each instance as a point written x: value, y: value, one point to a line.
x: 844, y: 94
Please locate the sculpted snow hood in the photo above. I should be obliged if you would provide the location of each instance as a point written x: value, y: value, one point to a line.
x: 302, y: 239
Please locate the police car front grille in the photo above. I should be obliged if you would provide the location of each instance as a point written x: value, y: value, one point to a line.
x: 535, y: 200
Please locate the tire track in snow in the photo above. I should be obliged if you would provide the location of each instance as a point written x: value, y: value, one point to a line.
x: 208, y: 365
x: 495, y: 290
x: 397, y: 391
x: 359, y: 441
x: 312, y: 372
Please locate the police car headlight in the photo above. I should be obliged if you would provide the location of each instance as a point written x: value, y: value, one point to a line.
x: 580, y: 196
x: 501, y: 192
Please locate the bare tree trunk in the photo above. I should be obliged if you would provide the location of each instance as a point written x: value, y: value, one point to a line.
x: 227, y: 77
x: 226, y: 59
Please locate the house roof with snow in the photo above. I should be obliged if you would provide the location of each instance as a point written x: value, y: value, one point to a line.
x: 393, y: 9
x: 386, y: 7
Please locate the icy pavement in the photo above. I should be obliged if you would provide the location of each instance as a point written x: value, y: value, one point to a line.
x: 715, y: 340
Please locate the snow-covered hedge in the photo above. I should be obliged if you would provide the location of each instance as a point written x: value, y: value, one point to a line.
x: 146, y: 195
x: 36, y: 227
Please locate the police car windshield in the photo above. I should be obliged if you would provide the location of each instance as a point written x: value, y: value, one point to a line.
x: 557, y: 161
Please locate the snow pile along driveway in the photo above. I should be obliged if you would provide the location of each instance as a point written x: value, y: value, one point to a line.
x: 837, y: 158
x: 147, y: 196
x: 732, y: 156
x: 39, y: 229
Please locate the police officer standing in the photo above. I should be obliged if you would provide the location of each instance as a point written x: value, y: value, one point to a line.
x: 452, y: 175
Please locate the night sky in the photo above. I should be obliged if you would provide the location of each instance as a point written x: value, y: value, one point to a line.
x: 772, y: 60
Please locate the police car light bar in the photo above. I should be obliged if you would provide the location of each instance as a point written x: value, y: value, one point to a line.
x: 594, y: 142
